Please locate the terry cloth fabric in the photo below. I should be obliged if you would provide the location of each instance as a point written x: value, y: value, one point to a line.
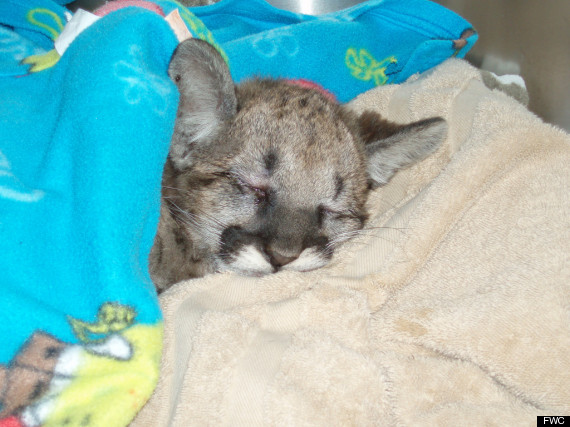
x: 452, y: 307
x: 347, y: 52
x: 83, y: 138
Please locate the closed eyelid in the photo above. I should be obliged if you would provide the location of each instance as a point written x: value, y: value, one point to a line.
x: 261, y: 192
x: 252, y: 186
x: 329, y: 211
x: 334, y: 207
x: 250, y: 180
x: 339, y: 213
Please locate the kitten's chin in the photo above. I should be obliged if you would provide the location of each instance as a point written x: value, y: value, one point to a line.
x: 249, y: 261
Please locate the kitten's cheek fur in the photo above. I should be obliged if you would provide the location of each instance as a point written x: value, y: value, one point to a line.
x: 310, y: 259
x: 247, y: 261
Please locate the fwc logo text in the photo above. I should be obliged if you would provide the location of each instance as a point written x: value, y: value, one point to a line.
x: 550, y: 421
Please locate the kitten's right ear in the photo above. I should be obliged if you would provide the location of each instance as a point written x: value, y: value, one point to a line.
x: 391, y: 146
x: 207, y: 98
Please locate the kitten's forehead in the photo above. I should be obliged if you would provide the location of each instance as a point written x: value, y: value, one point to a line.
x: 291, y: 107
x: 293, y: 126
x: 294, y: 139
x: 298, y: 148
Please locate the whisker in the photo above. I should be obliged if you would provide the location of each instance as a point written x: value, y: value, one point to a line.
x: 352, y: 234
x: 205, y: 224
x: 399, y: 229
x: 176, y: 188
x: 186, y: 192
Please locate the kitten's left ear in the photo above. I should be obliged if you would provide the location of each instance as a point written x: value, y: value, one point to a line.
x: 207, y: 98
x: 391, y: 146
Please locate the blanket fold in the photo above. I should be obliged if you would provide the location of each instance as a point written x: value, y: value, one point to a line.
x: 451, y: 307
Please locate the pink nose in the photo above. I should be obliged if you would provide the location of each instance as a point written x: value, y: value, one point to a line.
x: 279, y: 260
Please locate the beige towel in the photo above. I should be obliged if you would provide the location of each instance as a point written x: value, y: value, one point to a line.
x: 452, y: 308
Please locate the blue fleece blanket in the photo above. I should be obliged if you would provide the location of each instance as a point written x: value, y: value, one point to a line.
x: 347, y: 52
x: 83, y: 138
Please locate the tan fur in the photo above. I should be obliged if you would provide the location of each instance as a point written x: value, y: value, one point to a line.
x: 268, y: 175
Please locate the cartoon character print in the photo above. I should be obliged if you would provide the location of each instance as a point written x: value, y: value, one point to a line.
x: 29, y: 374
x: 363, y: 66
x: 102, y: 381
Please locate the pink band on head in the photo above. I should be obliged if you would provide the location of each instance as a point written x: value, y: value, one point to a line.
x: 119, y: 4
x: 307, y: 84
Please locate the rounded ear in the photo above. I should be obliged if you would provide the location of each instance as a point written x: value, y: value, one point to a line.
x: 207, y: 98
x: 391, y: 146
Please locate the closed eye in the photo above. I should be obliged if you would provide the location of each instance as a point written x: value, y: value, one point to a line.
x: 261, y: 194
x: 324, y: 213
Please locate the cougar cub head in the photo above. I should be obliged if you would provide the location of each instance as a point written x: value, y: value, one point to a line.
x: 268, y: 175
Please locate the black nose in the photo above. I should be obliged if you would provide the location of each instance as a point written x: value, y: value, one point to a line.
x: 278, y: 260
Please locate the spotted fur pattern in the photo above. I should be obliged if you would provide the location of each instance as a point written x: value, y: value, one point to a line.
x: 267, y: 175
